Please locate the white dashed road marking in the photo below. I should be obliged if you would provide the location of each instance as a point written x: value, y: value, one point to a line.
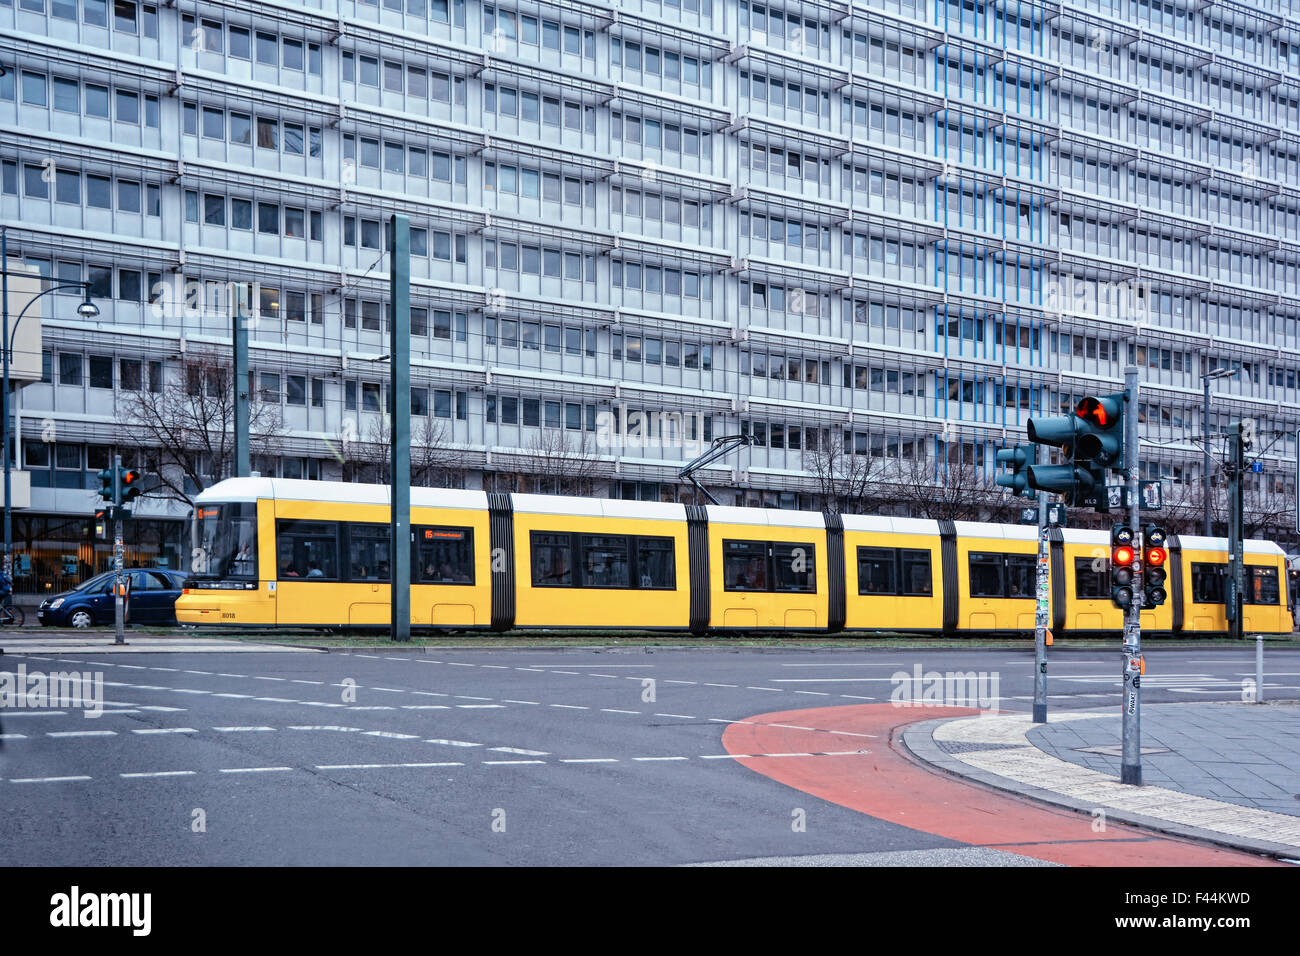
x: 381, y: 766
x: 236, y: 730
x: 158, y: 773
x: 167, y: 730
x: 253, y: 769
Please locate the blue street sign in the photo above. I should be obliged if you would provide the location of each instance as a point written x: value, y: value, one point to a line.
x: 1257, y: 467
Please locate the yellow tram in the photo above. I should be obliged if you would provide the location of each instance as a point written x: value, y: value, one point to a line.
x: 285, y: 553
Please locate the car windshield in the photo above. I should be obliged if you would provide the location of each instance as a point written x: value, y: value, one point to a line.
x: 227, y: 542
x: 94, y: 583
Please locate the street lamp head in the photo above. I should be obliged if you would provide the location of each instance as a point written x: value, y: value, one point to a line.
x: 88, y: 310
x: 1221, y: 372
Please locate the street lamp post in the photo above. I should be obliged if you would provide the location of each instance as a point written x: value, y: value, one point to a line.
x: 1206, y: 378
x: 87, y: 310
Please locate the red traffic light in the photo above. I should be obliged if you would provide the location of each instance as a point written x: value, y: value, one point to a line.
x: 1123, y: 555
x: 1094, y: 411
x: 1156, y: 556
x: 130, y: 476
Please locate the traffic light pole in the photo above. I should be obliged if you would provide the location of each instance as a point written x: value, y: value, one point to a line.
x: 1131, y: 761
x: 1042, y: 588
x: 239, y: 336
x: 399, y: 302
x: 119, y: 615
x: 1236, y: 558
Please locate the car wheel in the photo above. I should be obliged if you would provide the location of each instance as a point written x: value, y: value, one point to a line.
x: 81, y: 618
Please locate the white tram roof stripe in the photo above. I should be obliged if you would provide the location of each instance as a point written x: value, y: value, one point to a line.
x: 765, y: 517
x: 882, y: 524
x: 342, y: 492
x: 1197, y: 542
x: 597, y: 507
x: 1007, y: 532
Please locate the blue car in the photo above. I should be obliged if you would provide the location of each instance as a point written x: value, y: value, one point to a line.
x: 153, y: 598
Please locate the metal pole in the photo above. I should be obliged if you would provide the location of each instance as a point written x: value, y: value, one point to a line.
x: 399, y: 304
x: 1205, y: 477
x: 1042, y: 588
x: 1259, y: 668
x: 4, y: 430
x: 1131, y: 762
x: 1236, y: 557
x: 239, y: 333
x: 119, y: 615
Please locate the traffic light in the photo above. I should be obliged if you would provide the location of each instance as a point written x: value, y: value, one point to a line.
x: 1091, y: 441
x: 1065, y: 479
x: 1154, y: 559
x: 132, y: 484
x: 1122, y: 558
x: 101, y: 524
x: 1019, y: 458
x: 106, y: 484
x: 1100, y: 438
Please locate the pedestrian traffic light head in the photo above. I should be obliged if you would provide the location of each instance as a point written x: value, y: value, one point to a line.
x: 132, y: 480
x: 1100, y: 439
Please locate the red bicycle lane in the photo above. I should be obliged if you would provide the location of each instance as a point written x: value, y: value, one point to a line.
x: 887, y: 784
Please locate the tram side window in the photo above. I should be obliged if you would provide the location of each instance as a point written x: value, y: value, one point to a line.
x: 876, y: 571
x: 769, y: 566
x: 654, y: 563
x: 1207, y: 583
x: 552, y: 560
x: 915, y: 577
x: 1262, y: 586
x: 795, y: 567
x: 744, y: 565
x: 1089, y: 582
x: 604, y: 561
x: 307, y: 549
x: 368, y: 552
x: 1021, y: 575
x: 444, y: 556
x: 985, y: 575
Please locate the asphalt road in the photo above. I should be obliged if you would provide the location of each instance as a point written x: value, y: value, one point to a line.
x: 575, y: 756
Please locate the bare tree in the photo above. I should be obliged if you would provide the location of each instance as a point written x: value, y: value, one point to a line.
x: 434, y: 463
x: 1183, y: 511
x: 950, y: 486
x: 1268, y: 511
x: 187, y: 428
x: 847, y: 483
x: 555, y: 463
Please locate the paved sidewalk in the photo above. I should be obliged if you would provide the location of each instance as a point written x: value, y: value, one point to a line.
x: 101, y: 642
x: 1228, y: 773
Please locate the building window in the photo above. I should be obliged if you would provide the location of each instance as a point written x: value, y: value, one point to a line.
x: 69, y: 369
x: 101, y: 371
